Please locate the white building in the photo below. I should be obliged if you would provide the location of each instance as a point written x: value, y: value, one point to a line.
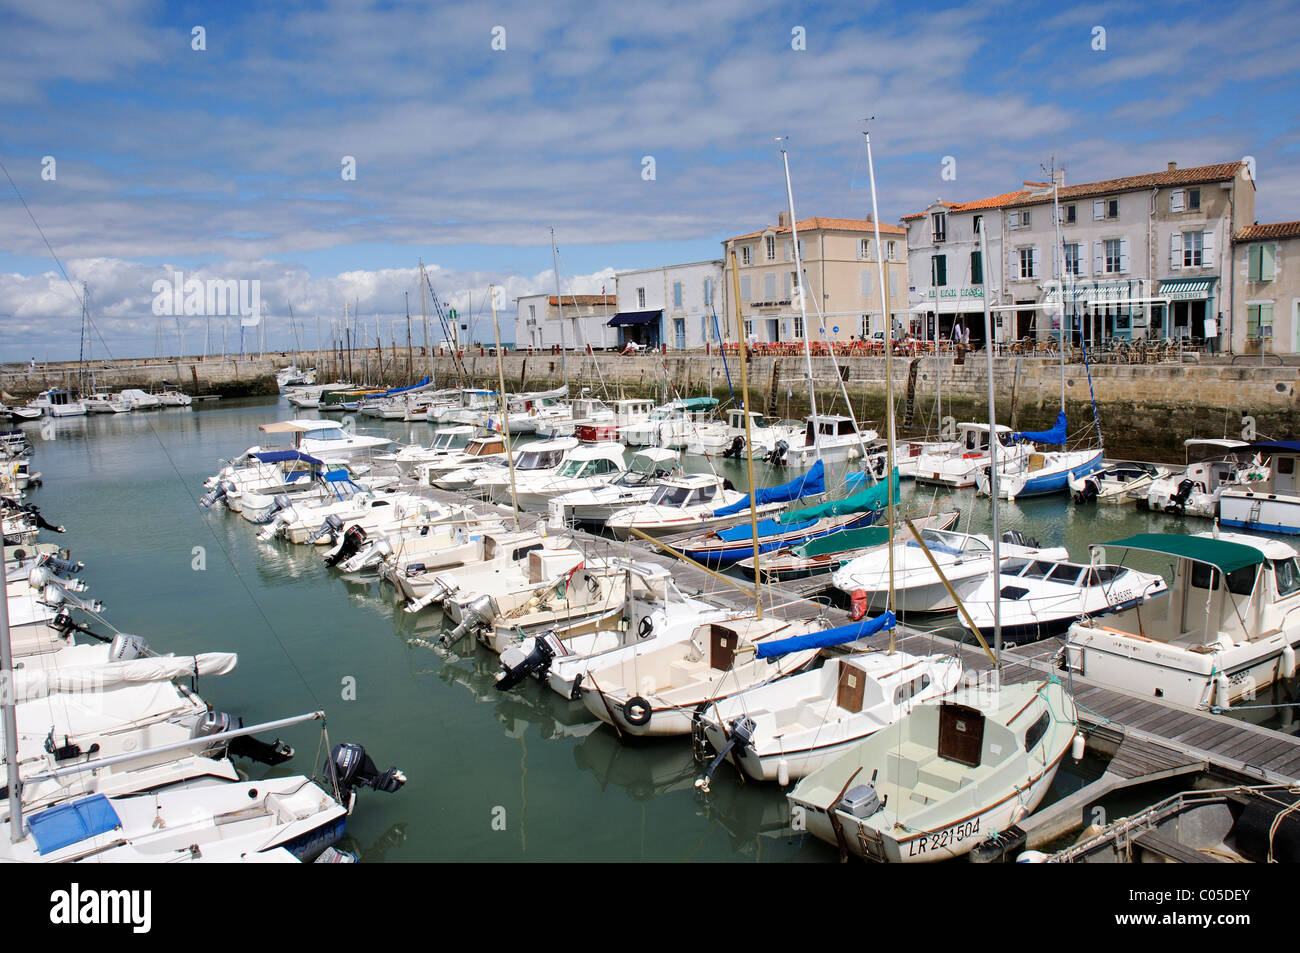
x: 545, y: 322
x: 673, y: 305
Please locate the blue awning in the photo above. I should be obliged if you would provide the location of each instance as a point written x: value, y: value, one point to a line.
x: 1272, y: 446
x: 624, y: 318
x: 280, y: 456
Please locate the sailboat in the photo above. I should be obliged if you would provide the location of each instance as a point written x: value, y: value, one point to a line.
x: 953, y: 770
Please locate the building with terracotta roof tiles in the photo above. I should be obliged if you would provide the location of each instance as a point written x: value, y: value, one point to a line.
x: 840, y: 278
x: 1266, y: 270
x: 1141, y: 256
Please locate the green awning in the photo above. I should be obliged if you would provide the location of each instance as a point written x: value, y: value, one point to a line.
x: 1186, y: 289
x: 843, y: 541
x: 699, y: 403
x: 1227, y: 557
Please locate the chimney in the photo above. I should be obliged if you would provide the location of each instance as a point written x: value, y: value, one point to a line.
x: 782, y: 219
x: 869, y: 218
x: 1173, y: 166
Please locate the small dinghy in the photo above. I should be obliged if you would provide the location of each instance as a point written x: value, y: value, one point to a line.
x: 942, y: 778
x: 1117, y: 483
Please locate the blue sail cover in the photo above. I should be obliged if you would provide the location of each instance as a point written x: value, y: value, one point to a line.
x: 402, y: 390
x: 836, y: 636
x: 864, y: 502
x: 810, y: 484
x: 765, y: 528
x: 280, y: 456
x: 1057, y: 435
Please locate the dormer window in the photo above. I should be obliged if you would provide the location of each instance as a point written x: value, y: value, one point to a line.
x: 939, y: 226
x: 770, y: 242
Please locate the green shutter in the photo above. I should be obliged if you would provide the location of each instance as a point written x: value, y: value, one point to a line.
x: 1252, y: 321
x: 1253, y: 253
x: 1267, y: 257
x: 976, y: 269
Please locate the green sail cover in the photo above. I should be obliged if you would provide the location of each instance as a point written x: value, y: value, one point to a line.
x: 843, y: 541
x: 864, y: 502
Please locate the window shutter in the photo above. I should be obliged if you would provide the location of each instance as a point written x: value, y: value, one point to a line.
x: 744, y: 288
x: 1254, y: 265
x: 1083, y: 260
x: 1033, y: 263
x: 1266, y: 315
x: 1098, y: 210
x: 787, y: 285
x: 1123, y: 256
x: 769, y: 287
x: 1176, y: 250
x: 1176, y: 200
x: 787, y: 251
x: 1207, y: 248
x: 1098, y: 258
x: 1267, y: 257
x: 866, y: 282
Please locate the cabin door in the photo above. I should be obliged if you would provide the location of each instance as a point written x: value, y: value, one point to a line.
x: 961, y: 734
x: 722, y: 647
x: 848, y: 693
x: 1284, y: 474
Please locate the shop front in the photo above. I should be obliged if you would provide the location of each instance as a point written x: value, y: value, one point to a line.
x: 638, y: 327
x: 1189, y: 301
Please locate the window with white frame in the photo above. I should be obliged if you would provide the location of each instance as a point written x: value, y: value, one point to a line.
x: 640, y: 298
x: 939, y: 226
x: 794, y: 283
x: 798, y: 327
x: 1193, y: 200
x: 532, y: 313
x: 1069, y: 214
x: 749, y: 328
x: 1072, y: 259
x: 1028, y: 262
x: 746, y: 256
x: 1193, y: 249
x: 864, y: 249
x: 889, y: 250
x: 770, y: 243
x: 1113, y: 256
x: 977, y: 223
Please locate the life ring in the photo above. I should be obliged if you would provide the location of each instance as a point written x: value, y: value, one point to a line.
x: 636, y: 711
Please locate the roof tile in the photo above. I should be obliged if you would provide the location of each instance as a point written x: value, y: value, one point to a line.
x: 1254, y: 233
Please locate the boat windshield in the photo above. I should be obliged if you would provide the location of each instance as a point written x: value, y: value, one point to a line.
x: 325, y: 434
x: 954, y: 544
x: 669, y: 495
x: 572, y: 469
x: 486, y: 447
x: 539, y: 459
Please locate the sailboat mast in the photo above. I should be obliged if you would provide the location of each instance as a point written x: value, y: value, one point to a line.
x: 559, y: 303
x: 889, y: 376
x: 749, y: 445
x: 1059, y: 249
x: 993, y: 472
x: 9, y: 718
x: 803, y: 311
x: 505, y: 409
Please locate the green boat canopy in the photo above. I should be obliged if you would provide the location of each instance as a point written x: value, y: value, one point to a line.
x: 864, y: 502
x: 1225, y: 556
x: 843, y: 541
x: 699, y: 403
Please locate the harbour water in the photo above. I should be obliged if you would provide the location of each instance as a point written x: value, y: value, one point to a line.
x: 517, y: 776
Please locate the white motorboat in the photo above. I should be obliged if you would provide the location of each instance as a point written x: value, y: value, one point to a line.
x: 943, y: 777
x: 683, y: 504
x: 105, y: 404
x: 327, y: 439
x: 1212, y: 465
x: 323, y: 522
x: 478, y: 452
x: 1268, y: 501
x: 534, y: 460
x: 582, y: 411
x: 56, y: 402
x: 964, y: 558
x: 799, y: 723
x: 827, y: 437
x: 729, y: 436
x: 138, y: 399
x: 585, y: 468
x: 670, y: 425
x: 1226, y: 627
x: 487, y: 554
x: 957, y: 465
x: 657, y: 692
x: 447, y: 442
x: 1042, y: 597
x: 645, y: 473
x: 1116, y: 483
x: 421, y: 547
x: 174, y: 398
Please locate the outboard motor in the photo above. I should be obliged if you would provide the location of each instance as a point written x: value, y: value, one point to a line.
x: 55, y: 595
x: 1178, y: 502
x: 34, y: 512
x: 126, y: 647
x: 213, y: 496
x: 40, y: 576
x: 61, y: 567
x: 331, y: 528
x: 520, y: 661
x: 443, y: 586
x: 1017, y: 538
x: 349, y: 768
x: 736, y: 449
x: 475, y: 616
x: 279, y: 503
x: 741, y: 734
x: 777, y: 456
x: 1088, y: 494
x: 371, y: 554
x: 347, y: 547
x: 245, y: 746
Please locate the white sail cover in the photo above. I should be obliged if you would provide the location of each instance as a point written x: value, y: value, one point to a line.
x: 28, y: 685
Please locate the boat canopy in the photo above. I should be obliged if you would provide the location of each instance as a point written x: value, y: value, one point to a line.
x: 743, y: 532
x: 865, y: 502
x: 810, y: 484
x: 280, y: 456
x: 286, y: 426
x: 698, y: 403
x: 843, y: 541
x: 68, y: 824
x: 836, y: 636
x: 1057, y: 435
x: 1273, y: 446
x: 404, y: 390
x: 1225, y: 556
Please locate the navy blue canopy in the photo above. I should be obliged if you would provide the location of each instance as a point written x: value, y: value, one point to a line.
x: 1057, y: 435
x: 810, y: 484
x: 836, y: 636
x: 1272, y: 446
x: 280, y: 456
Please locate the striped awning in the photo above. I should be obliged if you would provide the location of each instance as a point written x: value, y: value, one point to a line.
x: 1085, y: 291
x: 1183, y: 289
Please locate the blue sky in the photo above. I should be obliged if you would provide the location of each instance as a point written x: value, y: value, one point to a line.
x: 226, y: 162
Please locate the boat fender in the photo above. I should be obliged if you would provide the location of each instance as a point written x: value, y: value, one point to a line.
x: 783, y: 772
x: 1031, y: 857
x: 1222, y: 689
x: 859, y: 604
x: 1288, y: 662
x: 1077, y: 746
x: 636, y: 711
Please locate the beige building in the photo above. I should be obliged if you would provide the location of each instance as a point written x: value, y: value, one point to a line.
x: 1266, y: 272
x: 584, y: 319
x: 839, y: 273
